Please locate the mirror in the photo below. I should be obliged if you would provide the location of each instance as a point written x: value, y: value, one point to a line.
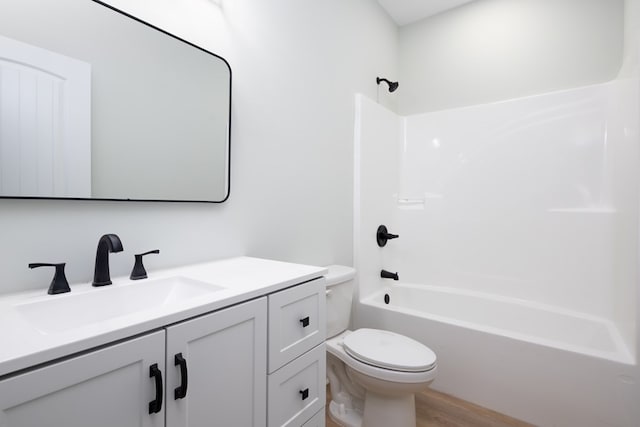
x: 95, y: 104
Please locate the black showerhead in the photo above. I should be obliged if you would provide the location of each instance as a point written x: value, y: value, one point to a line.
x: 392, y: 85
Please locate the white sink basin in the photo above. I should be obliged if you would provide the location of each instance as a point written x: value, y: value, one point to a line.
x: 61, y: 313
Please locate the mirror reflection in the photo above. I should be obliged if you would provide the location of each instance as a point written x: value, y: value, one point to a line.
x: 96, y: 104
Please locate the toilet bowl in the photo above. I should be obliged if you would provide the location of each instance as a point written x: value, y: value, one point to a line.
x: 373, y: 374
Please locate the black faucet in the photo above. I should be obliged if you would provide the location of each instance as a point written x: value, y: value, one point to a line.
x: 107, y: 243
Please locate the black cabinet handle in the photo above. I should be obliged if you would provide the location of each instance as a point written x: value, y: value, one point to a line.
x: 156, y: 405
x: 181, y: 392
x: 304, y: 393
x: 305, y: 322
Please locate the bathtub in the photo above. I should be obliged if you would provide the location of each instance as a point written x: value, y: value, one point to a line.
x: 518, y: 319
x: 505, y: 354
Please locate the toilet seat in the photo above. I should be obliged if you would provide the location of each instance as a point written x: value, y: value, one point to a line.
x: 388, y: 350
x: 335, y: 346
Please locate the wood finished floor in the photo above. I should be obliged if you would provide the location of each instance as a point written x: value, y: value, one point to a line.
x: 435, y: 409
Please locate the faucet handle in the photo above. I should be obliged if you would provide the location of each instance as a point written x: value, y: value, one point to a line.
x: 382, y: 235
x: 59, y: 284
x: 139, y: 271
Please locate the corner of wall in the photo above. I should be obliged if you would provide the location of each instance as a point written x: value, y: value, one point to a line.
x: 631, y: 53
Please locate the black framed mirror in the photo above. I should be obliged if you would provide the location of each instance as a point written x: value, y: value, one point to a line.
x: 97, y: 104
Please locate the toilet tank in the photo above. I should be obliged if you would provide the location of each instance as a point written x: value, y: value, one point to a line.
x: 339, y: 282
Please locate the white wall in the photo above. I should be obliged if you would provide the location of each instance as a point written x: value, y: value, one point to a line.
x: 296, y: 65
x: 631, y: 61
x: 491, y: 50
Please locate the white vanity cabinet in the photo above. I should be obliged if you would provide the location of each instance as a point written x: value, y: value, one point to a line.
x: 103, y: 388
x: 222, y: 361
x: 253, y: 358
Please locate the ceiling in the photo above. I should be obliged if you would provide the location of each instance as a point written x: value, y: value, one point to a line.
x: 408, y: 11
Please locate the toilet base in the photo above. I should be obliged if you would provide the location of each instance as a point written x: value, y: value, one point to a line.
x: 343, y: 416
x: 397, y: 411
x: 379, y: 411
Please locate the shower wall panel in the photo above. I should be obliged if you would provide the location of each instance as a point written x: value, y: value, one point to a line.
x: 533, y: 198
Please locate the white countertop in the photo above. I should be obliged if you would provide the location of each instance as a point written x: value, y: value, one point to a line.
x: 23, y: 345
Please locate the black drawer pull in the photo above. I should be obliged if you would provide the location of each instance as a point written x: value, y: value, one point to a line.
x: 305, y: 322
x: 304, y: 393
x: 181, y: 392
x: 156, y: 405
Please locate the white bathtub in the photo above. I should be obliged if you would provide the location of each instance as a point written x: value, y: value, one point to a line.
x: 513, y: 356
x: 509, y: 317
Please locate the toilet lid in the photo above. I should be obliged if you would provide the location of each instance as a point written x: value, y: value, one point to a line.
x: 389, y: 350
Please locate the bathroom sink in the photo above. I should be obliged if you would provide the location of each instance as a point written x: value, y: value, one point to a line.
x: 71, y: 311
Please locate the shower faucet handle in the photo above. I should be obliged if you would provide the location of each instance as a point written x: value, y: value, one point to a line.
x: 389, y: 275
x: 382, y: 235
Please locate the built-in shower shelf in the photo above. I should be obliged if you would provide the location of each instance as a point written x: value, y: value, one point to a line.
x: 592, y: 210
x: 417, y: 204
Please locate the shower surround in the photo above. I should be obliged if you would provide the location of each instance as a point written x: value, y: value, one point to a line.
x: 518, y: 248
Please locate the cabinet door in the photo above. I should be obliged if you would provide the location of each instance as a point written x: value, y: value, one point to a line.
x: 226, y: 367
x: 103, y: 388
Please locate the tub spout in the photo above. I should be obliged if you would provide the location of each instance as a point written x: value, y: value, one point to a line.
x: 389, y: 275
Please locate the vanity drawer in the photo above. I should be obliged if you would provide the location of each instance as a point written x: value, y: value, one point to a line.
x: 318, y: 420
x: 297, y: 390
x: 297, y: 321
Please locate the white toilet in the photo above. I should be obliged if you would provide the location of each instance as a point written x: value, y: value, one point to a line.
x: 373, y: 374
